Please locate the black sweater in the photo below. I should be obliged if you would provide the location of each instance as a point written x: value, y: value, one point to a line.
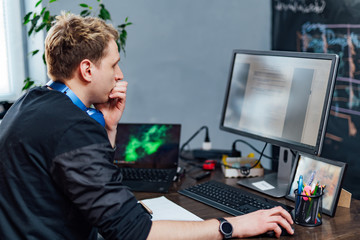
x: 57, y: 180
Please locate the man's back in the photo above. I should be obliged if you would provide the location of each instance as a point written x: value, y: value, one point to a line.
x: 44, y: 175
x: 28, y: 135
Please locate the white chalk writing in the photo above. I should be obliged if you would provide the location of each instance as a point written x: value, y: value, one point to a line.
x: 317, y: 6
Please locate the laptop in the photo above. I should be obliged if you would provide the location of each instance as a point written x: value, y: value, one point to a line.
x: 148, y: 155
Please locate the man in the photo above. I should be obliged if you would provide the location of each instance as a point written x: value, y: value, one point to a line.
x: 57, y: 180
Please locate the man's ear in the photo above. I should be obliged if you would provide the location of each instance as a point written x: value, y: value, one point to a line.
x: 86, y: 70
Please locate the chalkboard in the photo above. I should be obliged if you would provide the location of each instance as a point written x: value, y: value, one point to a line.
x: 331, y: 26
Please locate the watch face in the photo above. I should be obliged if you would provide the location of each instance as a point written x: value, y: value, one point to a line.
x: 226, y: 228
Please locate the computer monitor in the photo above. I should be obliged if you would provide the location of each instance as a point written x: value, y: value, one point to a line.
x: 281, y: 98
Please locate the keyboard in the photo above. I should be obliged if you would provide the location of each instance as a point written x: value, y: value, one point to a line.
x: 146, y: 174
x: 232, y: 200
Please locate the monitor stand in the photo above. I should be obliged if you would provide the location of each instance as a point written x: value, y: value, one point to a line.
x: 273, y: 184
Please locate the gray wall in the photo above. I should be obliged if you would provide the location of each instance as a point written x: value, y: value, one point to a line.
x: 178, y: 58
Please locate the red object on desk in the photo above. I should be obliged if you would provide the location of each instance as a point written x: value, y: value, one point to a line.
x: 209, y: 165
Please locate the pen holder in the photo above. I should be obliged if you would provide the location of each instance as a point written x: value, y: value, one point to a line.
x: 308, y: 209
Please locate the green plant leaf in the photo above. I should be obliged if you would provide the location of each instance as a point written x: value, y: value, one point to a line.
x: 51, y: 1
x: 41, y: 27
x: 123, y: 36
x: 122, y: 26
x: 84, y: 5
x: 31, y: 30
x: 38, y: 3
x: 34, y: 52
x: 104, y: 13
x: 85, y: 13
x: 122, y: 40
x: 42, y: 11
x: 35, y: 20
x: 27, y: 83
x: 27, y: 18
x: 49, y: 22
x: 43, y: 57
x: 46, y: 16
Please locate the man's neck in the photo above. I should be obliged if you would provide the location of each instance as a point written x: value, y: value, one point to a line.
x: 79, y: 89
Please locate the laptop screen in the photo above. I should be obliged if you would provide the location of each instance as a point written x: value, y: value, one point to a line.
x: 147, y: 145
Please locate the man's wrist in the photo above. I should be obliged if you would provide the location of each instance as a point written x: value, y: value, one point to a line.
x: 112, y: 136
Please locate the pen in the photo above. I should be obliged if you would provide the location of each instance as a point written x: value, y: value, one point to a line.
x: 300, y: 183
x: 317, y: 215
x: 308, y: 215
x: 316, y: 189
x: 311, y: 178
x: 146, y: 208
x: 314, y: 212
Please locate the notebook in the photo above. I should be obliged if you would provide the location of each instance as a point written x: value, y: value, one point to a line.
x: 148, y: 155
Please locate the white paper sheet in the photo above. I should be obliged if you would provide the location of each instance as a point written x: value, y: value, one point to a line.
x: 164, y: 209
x: 263, y: 185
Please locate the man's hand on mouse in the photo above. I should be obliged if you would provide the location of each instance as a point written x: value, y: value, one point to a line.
x: 262, y: 221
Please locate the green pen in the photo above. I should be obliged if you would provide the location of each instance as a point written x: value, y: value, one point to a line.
x: 316, y: 189
x: 313, y: 194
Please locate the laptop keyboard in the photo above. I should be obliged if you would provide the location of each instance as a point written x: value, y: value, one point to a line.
x: 229, y: 199
x: 148, y: 175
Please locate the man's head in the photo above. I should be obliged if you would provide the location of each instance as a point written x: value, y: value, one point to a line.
x: 73, y: 39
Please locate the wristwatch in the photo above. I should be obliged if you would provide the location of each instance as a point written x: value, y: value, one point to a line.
x: 225, y: 228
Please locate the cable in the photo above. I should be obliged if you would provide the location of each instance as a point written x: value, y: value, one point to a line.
x: 244, y: 169
x: 206, y: 144
x: 251, y: 146
x: 235, y: 153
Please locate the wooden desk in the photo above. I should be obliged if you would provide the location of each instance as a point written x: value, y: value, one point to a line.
x: 345, y: 224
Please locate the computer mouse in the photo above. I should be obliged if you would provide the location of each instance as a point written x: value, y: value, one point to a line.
x: 283, y: 233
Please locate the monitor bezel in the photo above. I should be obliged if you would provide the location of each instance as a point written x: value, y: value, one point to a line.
x: 316, y: 150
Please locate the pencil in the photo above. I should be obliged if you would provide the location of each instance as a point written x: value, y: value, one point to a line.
x: 146, y: 207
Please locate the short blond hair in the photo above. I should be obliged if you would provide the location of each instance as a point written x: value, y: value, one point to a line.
x: 72, y: 39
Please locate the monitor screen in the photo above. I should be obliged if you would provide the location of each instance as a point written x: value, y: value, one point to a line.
x: 147, y: 145
x: 282, y: 98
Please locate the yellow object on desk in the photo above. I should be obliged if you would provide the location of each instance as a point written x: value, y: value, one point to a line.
x: 230, y: 166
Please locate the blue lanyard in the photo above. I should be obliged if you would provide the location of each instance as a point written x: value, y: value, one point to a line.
x: 92, y: 112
